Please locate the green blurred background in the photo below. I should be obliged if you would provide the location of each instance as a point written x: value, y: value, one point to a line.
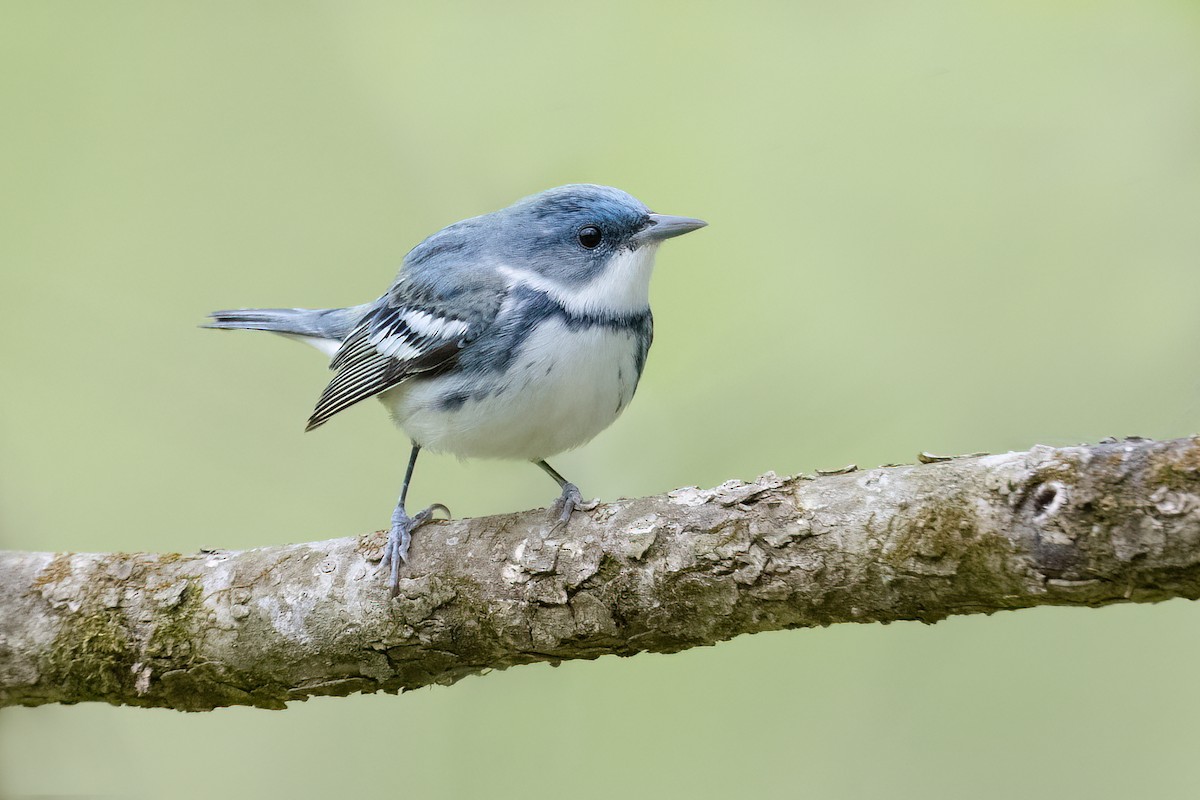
x: 934, y: 226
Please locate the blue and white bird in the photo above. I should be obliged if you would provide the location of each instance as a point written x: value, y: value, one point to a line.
x: 517, y: 334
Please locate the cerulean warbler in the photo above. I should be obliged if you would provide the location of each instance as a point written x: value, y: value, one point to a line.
x: 518, y: 334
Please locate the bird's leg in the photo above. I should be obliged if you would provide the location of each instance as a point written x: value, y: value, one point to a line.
x: 569, y: 500
x: 400, y: 535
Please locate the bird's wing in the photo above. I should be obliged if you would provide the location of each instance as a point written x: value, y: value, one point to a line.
x: 410, y: 331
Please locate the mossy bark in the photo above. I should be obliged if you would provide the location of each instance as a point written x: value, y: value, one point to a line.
x: 1119, y: 521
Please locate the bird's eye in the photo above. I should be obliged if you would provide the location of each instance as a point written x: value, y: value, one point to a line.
x: 589, y: 236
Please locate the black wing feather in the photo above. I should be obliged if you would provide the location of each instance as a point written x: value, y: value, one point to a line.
x: 364, y: 368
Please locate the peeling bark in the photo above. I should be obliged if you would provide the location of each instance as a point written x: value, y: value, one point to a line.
x: 1089, y: 525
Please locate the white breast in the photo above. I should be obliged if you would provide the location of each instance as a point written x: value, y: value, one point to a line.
x: 563, y: 388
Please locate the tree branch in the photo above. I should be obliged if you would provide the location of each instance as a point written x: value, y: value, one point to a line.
x: 1119, y: 521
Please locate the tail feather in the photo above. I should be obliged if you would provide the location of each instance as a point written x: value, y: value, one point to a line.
x: 281, y: 320
x: 322, y: 323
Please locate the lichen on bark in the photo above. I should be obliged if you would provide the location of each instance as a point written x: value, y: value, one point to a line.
x: 1118, y: 521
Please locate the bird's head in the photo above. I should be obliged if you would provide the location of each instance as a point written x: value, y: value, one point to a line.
x: 571, y: 234
x: 591, y: 246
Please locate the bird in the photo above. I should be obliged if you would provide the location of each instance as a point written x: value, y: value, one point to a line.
x: 518, y: 334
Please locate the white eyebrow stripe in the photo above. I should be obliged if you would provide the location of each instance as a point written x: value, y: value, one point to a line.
x: 425, y: 324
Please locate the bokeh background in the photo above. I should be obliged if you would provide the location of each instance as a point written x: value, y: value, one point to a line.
x: 935, y: 226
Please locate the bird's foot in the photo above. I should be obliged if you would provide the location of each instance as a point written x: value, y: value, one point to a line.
x: 567, y: 502
x: 395, y: 552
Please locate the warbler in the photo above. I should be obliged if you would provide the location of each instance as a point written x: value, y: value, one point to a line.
x: 518, y: 334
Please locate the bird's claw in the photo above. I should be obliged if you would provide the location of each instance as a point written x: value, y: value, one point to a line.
x: 395, y: 552
x: 567, y: 502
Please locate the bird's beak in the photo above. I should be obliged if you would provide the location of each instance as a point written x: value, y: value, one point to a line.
x: 664, y: 226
